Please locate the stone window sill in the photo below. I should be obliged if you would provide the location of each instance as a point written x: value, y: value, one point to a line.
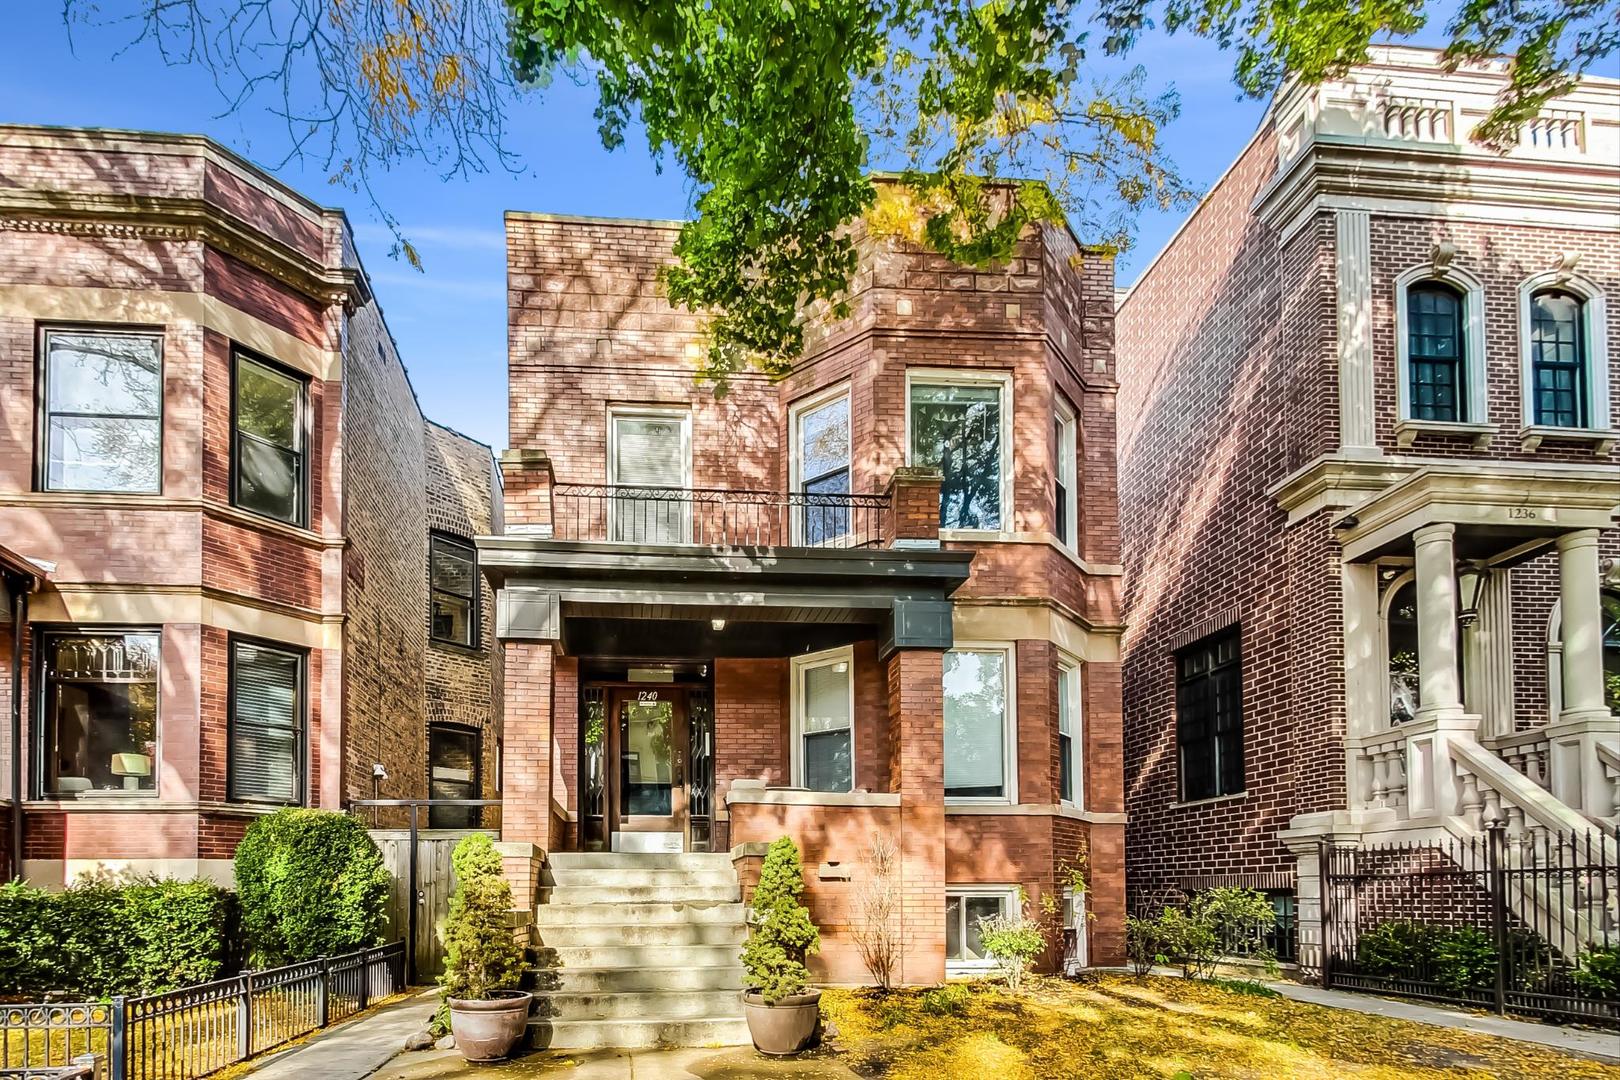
x: 1407, y: 431
x: 1600, y: 440
x: 804, y: 797
x: 1211, y: 801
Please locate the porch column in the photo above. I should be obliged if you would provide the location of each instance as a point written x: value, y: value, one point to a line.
x: 1582, y: 627
x: 526, y: 764
x: 917, y: 761
x: 1438, y: 683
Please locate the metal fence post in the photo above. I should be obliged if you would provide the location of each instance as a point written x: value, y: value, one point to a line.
x: 244, y: 1016
x: 323, y: 992
x: 1324, y: 885
x: 365, y: 979
x: 117, y: 1055
x: 1496, y: 834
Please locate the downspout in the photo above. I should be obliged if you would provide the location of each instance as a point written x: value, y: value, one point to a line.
x: 19, y: 614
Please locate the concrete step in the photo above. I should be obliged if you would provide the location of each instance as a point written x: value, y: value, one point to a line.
x: 561, y: 876
x: 635, y: 1034
x: 614, y: 860
x: 674, y: 934
x: 702, y: 911
x: 617, y: 956
x: 638, y: 1004
x: 635, y: 979
x: 641, y: 894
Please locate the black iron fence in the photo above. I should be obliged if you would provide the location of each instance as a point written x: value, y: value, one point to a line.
x: 199, y: 1029
x: 719, y: 517
x: 1525, y: 924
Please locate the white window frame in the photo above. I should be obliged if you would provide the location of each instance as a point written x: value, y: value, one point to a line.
x: 1009, y: 726
x: 1077, y: 923
x: 801, y: 665
x: 1473, y: 358
x: 1595, y: 328
x: 1008, y: 894
x: 1071, y: 686
x: 1068, y: 453
x: 969, y: 377
x: 616, y: 413
x: 796, y: 413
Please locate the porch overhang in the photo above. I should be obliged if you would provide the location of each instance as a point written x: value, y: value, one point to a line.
x: 575, y: 592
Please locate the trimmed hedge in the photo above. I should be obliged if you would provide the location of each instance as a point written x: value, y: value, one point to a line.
x: 100, y: 938
x: 310, y: 883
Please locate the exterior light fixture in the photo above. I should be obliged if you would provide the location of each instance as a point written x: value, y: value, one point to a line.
x: 1470, y: 583
x: 717, y: 625
x: 1349, y: 521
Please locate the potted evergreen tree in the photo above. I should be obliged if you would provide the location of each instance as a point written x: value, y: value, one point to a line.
x: 483, y: 962
x: 781, y: 1008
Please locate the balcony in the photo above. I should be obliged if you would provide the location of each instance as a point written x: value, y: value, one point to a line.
x: 717, y: 517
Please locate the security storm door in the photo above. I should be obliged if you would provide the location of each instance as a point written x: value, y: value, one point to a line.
x: 651, y: 736
x: 649, y: 456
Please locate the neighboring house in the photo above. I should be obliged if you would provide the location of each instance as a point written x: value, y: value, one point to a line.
x: 1368, y: 483
x: 253, y: 578
x: 874, y: 597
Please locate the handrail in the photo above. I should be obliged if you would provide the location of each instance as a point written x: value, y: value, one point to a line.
x: 723, y: 517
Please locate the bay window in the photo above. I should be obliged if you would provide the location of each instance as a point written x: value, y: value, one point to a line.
x: 102, y: 405
x: 1071, y: 767
x: 1065, y: 505
x: 99, y: 711
x: 268, y: 466
x: 956, y: 422
x: 979, y: 758
x: 266, y: 757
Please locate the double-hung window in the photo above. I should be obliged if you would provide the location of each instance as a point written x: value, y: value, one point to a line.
x: 823, y: 720
x: 1065, y: 504
x: 454, y: 570
x: 1071, y: 760
x: 102, y: 402
x: 266, y: 760
x: 454, y: 754
x: 979, y: 759
x: 957, y: 424
x: 650, y: 473
x: 1209, y: 716
x: 821, y: 446
x: 1435, y: 358
x: 99, y: 707
x: 269, y: 467
x: 964, y: 906
x: 1558, y: 359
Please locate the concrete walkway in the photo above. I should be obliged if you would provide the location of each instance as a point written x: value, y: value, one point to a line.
x: 355, y: 1048
x: 691, y: 1063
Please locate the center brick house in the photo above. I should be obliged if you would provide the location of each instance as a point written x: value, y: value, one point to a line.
x: 877, y: 596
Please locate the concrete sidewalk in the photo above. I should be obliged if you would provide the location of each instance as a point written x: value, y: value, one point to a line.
x: 355, y: 1048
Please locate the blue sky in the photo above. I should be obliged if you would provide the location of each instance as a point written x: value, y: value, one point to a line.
x: 450, y: 321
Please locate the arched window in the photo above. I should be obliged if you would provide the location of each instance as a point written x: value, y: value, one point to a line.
x: 1435, y: 351
x: 1401, y: 650
x: 1611, y: 649
x: 1558, y: 359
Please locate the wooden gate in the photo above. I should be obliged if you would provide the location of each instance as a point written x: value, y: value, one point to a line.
x: 435, y: 881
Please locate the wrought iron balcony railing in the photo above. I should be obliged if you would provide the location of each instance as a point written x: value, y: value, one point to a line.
x: 717, y: 517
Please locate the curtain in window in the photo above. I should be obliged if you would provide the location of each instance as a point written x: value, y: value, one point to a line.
x: 266, y: 723
x: 1557, y: 359
x: 103, y: 407
x: 650, y: 452
x: 957, y: 430
x: 975, y: 724
x: 825, y: 728
x: 269, y: 441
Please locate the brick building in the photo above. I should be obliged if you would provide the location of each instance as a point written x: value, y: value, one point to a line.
x: 875, y: 597
x: 1368, y: 482
x: 242, y: 555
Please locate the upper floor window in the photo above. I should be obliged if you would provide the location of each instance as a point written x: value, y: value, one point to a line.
x: 99, y: 706
x: 1558, y: 359
x: 266, y: 762
x: 650, y: 450
x: 820, y: 465
x: 102, y: 402
x: 979, y: 724
x: 823, y: 721
x: 1209, y: 716
x: 454, y: 572
x: 957, y: 425
x: 1434, y: 358
x: 1065, y: 507
x: 269, y: 474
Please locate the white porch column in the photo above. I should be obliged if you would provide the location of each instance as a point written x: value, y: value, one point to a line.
x: 1439, y: 686
x: 1582, y: 627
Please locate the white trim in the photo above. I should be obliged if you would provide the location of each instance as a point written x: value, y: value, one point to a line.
x: 1595, y: 346
x: 1071, y: 677
x: 615, y: 413
x: 1080, y: 924
x: 973, y: 377
x: 796, y: 413
x: 1009, y: 725
x: 1068, y: 455
x: 1474, y: 397
x: 1007, y: 894
x: 800, y: 665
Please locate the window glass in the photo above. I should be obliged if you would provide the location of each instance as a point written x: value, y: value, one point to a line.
x: 1401, y: 635
x: 1069, y: 778
x: 1063, y: 475
x: 100, y: 712
x: 266, y: 751
x: 1209, y: 717
x: 1557, y: 359
x: 455, y: 590
x: 103, y: 411
x: 650, y: 452
x: 1611, y: 650
x: 824, y: 470
x: 269, y: 441
x: 962, y: 915
x: 1434, y: 341
x: 975, y: 724
x: 957, y: 430
x: 452, y: 774
x: 825, y: 726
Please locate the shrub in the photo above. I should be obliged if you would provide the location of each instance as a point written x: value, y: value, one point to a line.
x: 782, y: 933
x: 877, y: 933
x: 1144, y: 944
x: 312, y: 883
x: 1214, y: 925
x: 1190, y: 940
x: 177, y: 933
x: 1398, y: 949
x: 1465, y: 958
x: 481, y: 955
x: 1598, y: 973
x: 948, y: 1000
x: 1013, y: 941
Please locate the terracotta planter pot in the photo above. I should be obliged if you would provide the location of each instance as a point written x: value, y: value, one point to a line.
x: 487, y: 1030
x: 786, y: 1027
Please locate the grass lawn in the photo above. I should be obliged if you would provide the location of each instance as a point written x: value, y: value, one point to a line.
x: 1121, y: 1026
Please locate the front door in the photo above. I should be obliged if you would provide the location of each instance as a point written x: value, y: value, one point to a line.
x: 650, y: 734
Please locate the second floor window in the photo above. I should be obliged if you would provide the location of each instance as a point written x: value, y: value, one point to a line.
x: 1435, y: 351
x: 103, y: 411
x: 269, y: 474
x: 1558, y: 359
x: 455, y: 590
x: 1209, y: 716
x: 957, y: 427
x: 649, y: 462
x: 1065, y: 508
x: 266, y: 761
x: 821, y: 449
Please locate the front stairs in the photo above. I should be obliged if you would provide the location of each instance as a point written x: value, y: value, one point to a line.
x: 638, y: 950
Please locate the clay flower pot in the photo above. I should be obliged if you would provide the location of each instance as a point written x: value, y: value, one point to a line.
x: 785, y: 1028
x: 487, y: 1030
